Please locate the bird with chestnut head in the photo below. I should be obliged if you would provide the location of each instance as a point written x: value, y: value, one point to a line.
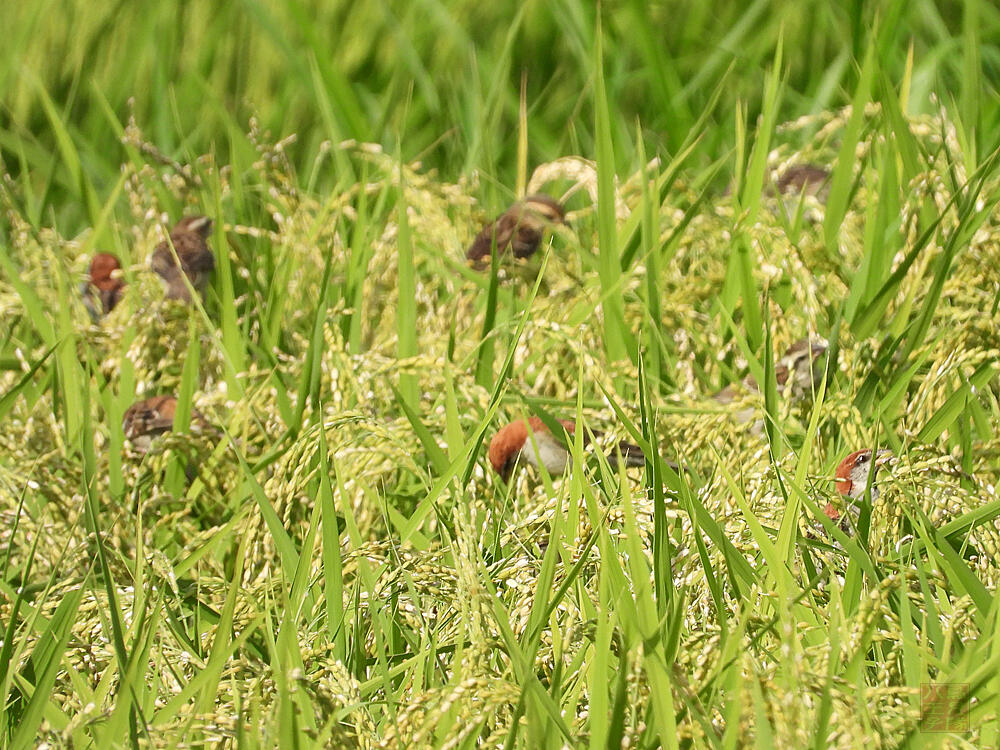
x: 531, y: 441
x: 104, y: 286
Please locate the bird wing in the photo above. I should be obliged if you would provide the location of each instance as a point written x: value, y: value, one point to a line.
x: 194, y: 253
x: 781, y: 371
x: 498, y: 233
x: 162, y: 260
x: 110, y: 298
x: 148, y: 421
x: 527, y: 239
x: 631, y: 454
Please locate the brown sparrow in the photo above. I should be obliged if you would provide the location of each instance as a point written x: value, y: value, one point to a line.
x: 188, y: 239
x: 103, y: 288
x: 532, y: 440
x: 520, y: 227
x: 808, y: 178
x: 800, y: 369
x: 147, y: 419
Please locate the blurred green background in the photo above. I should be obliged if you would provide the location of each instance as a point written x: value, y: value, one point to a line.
x: 440, y: 81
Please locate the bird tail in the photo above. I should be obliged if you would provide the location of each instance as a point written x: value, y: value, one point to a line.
x: 631, y: 455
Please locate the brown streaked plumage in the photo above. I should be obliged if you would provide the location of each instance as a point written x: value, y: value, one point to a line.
x: 103, y: 288
x: 147, y: 419
x: 515, y: 439
x: 800, y: 368
x: 188, y: 239
x: 144, y: 420
x: 520, y: 228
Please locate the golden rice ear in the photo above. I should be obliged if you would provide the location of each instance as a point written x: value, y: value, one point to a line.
x: 884, y: 457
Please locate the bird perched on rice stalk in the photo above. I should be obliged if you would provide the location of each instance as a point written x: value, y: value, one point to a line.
x: 937, y: 499
x: 798, y: 374
x: 852, y: 478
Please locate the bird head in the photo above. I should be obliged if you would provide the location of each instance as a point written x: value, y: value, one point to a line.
x: 102, y: 268
x: 197, y: 224
x: 546, y: 207
x: 146, y: 419
x: 852, y: 473
x: 803, y: 362
x: 506, y: 446
x: 532, y: 440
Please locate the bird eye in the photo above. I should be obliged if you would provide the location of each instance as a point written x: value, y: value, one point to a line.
x: 862, y: 458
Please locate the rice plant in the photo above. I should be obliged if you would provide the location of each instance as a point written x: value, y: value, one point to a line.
x: 314, y: 548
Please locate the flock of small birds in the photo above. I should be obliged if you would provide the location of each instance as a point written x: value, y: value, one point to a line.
x: 185, y: 263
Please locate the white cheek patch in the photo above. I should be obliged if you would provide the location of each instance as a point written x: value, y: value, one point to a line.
x: 859, y: 482
x: 550, y: 454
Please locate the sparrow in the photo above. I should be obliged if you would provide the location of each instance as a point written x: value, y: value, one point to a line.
x: 196, y: 260
x: 800, y: 368
x: 532, y: 440
x: 147, y: 419
x: 520, y: 227
x: 808, y: 178
x: 852, y: 473
x: 852, y: 477
x: 102, y: 290
x: 791, y: 182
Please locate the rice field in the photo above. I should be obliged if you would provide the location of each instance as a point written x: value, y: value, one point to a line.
x: 316, y: 551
